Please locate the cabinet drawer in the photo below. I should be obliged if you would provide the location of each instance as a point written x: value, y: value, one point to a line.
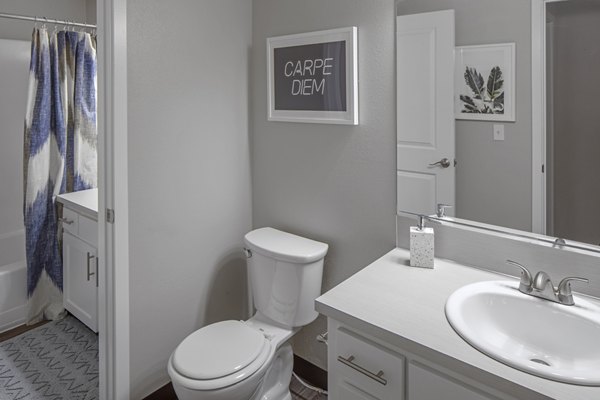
x: 70, y: 222
x: 88, y: 230
x: 368, y: 366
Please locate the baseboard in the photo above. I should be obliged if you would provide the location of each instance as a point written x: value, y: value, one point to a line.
x: 304, y: 369
x: 12, y: 318
x: 310, y: 372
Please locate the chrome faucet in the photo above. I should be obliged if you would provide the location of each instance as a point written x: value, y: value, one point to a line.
x: 541, y: 286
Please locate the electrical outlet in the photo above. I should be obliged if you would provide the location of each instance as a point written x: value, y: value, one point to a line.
x: 498, y: 132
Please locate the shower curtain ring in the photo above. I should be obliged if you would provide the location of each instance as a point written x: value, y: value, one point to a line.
x: 45, y: 22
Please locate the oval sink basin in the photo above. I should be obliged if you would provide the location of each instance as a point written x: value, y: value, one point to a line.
x: 543, y: 338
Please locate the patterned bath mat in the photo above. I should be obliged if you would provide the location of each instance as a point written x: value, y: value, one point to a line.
x: 57, y: 361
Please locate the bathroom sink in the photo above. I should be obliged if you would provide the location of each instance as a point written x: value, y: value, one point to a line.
x: 537, y: 336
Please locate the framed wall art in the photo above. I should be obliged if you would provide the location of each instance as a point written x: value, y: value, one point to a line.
x: 485, y: 82
x: 312, y: 77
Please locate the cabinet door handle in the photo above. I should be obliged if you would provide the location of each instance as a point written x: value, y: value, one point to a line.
x: 66, y: 221
x: 89, y: 272
x: 378, y: 377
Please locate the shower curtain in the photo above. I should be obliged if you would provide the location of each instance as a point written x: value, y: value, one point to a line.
x: 59, y: 154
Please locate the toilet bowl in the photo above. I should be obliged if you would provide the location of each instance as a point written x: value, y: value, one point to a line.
x: 251, y: 360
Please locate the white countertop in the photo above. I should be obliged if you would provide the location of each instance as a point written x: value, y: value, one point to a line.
x: 83, y: 202
x: 404, y: 306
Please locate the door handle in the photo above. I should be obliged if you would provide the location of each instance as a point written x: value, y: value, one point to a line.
x: 444, y: 163
x: 90, y: 273
x: 378, y: 377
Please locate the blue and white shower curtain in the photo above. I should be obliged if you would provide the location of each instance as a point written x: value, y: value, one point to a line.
x: 59, y: 154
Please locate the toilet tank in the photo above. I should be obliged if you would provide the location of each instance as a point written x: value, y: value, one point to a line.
x: 285, y: 272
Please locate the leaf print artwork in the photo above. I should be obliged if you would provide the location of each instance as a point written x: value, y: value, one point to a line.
x: 485, y: 98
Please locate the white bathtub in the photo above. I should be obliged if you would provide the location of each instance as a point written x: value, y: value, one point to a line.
x: 13, y: 280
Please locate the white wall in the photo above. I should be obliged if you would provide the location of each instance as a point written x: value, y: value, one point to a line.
x: 189, y: 173
x: 336, y: 184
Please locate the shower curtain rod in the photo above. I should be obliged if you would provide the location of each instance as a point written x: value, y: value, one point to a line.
x: 46, y: 20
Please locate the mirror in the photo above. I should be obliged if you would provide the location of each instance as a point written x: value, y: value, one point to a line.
x: 537, y: 173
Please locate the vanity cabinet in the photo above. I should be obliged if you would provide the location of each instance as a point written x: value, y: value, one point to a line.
x: 362, y: 367
x: 80, y: 267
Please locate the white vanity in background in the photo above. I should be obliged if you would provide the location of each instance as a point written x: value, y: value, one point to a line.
x: 389, y: 339
x: 80, y: 252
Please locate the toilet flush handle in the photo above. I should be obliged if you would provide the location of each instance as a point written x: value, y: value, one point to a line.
x: 247, y: 252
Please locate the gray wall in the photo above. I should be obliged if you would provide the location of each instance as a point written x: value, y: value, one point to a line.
x: 90, y: 11
x: 189, y: 173
x: 493, y: 179
x: 336, y: 184
x: 576, y: 120
x: 59, y: 9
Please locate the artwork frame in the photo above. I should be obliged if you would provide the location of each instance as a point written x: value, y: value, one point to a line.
x: 322, y: 88
x: 489, y: 67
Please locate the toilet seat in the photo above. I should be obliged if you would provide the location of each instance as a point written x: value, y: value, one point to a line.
x: 219, y: 355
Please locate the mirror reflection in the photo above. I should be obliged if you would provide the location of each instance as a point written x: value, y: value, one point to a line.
x: 535, y: 172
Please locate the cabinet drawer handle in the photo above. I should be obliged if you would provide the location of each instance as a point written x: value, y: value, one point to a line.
x: 66, y: 221
x: 89, y: 273
x: 378, y: 377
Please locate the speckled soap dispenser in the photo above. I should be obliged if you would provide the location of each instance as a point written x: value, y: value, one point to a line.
x: 421, y: 245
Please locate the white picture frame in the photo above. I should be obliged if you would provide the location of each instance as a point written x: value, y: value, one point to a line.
x: 476, y: 68
x: 313, y: 77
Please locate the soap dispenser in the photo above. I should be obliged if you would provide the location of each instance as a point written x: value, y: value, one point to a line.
x: 421, y: 245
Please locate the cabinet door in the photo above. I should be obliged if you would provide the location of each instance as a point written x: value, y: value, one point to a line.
x: 80, y: 283
x: 427, y: 384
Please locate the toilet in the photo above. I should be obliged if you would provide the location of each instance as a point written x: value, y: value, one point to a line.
x: 253, y: 359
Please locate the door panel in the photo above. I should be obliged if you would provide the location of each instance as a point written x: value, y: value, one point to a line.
x: 425, y: 111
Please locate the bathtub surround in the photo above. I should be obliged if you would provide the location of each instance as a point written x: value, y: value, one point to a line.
x: 14, y: 64
x: 60, y: 155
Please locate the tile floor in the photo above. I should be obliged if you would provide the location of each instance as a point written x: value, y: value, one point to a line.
x: 299, y: 392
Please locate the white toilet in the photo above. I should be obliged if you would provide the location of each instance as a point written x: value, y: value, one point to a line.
x: 252, y: 360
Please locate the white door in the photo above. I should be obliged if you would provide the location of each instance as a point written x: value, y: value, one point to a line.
x: 80, y: 280
x: 425, y: 111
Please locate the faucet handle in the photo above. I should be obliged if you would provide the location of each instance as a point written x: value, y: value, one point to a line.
x: 441, y: 210
x: 564, y: 289
x: 526, y: 279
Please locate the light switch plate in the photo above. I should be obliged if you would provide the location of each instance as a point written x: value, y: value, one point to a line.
x: 498, y: 132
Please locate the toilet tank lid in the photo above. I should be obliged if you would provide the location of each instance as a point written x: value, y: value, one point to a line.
x: 285, y: 246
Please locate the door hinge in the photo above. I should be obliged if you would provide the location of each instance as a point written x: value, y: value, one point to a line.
x: 110, y: 215
x: 542, y: 168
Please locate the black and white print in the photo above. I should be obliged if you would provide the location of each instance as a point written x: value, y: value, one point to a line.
x: 484, y: 83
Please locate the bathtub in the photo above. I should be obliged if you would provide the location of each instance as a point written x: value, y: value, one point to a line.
x: 13, y: 280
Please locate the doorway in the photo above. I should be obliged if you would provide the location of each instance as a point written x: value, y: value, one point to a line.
x: 566, y: 120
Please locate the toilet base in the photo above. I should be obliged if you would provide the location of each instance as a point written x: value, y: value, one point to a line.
x: 276, y: 384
